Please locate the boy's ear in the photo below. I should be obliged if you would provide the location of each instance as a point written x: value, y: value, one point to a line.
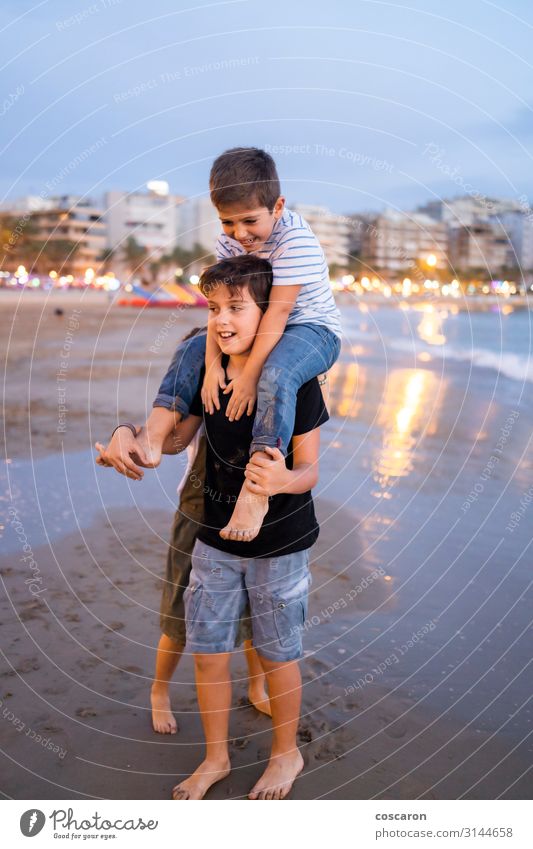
x: 279, y: 206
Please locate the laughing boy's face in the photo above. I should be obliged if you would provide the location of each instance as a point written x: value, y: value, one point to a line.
x: 234, y: 317
x: 248, y: 224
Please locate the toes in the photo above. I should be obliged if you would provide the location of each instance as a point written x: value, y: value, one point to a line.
x: 179, y: 793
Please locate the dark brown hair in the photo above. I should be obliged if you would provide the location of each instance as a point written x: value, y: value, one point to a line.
x: 240, y: 272
x: 244, y: 175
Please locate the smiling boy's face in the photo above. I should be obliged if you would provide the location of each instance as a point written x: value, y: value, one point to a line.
x: 234, y: 319
x: 248, y: 224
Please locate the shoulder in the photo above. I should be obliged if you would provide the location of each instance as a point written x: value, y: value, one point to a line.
x: 292, y: 233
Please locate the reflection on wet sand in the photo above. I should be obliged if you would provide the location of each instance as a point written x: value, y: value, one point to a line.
x: 346, y: 389
x: 430, y: 328
x: 409, y: 408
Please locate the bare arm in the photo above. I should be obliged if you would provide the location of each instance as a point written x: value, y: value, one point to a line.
x: 181, y: 436
x: 125, y: 451
x: 267, y: 473
x: 214, y: 379
x: 269, y: 332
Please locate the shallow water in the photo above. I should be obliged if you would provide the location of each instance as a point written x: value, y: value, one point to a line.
x: 60, y: 493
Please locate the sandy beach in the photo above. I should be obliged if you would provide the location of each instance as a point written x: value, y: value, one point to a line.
x: 418, y: 641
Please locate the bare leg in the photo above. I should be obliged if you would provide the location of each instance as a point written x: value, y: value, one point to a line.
x: 213, y: 686
x: 247, y: 517
x: 286, y: 762
x: 166, y: 660
x: 257, y: 693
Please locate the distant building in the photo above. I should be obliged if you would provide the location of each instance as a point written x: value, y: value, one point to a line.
x: 482, y: 247
x: 467, y: 210
x: 358, y: 225
x: 197, y: 222
x: 149, y: 217
x: 66, y: 217
x: 395, y: 240
x: 518, y: 228
x: 332, y: 231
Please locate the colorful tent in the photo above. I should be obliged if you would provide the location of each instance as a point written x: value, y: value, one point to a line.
x: 168, y: 295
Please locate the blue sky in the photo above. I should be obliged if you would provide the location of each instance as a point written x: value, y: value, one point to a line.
x: 369, y: 103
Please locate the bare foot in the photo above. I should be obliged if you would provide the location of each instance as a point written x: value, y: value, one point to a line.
x: 258, y: 697
x: 162, y: 717
x: 197, y: 784
x: 279, y: 776
x: 247, y: 518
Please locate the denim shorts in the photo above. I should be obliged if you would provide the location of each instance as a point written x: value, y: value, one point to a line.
x: 219, y: 588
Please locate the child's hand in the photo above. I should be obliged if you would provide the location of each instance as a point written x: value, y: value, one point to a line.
x: 267, y: 473
x: 243, y: 398
x: 213, y: 382
x: 122, y: 453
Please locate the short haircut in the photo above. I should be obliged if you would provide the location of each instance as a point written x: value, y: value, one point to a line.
x: 244, y: 175
x: 245, y: 271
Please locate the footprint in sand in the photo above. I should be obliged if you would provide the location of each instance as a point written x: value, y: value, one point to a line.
x: 392, y: 728
x: 86, y: 712
x: 318, y: 669
x: 28, y: 665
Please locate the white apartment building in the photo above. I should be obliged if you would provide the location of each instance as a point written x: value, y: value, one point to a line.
x: 149, y: 217
x: 332, y: 231
x: 197, y: 223
x: 518, y: 228
x: 395, y: 240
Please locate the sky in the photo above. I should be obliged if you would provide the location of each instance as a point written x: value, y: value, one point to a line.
x: 364, y: 104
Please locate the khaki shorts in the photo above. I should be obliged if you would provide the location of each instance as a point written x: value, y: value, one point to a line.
x: 187, y: 521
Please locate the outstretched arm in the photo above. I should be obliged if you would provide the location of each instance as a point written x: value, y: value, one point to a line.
x: 125, y: 451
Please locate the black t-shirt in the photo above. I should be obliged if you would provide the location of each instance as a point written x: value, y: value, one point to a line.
x: 290, y: 524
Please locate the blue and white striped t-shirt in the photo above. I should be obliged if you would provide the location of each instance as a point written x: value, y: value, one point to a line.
x: 297, y: 258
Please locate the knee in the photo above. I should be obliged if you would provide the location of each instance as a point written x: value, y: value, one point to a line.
x: 276, y: 380
x: 213, y: 665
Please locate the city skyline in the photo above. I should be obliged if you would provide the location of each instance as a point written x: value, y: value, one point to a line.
x: 402, y: 106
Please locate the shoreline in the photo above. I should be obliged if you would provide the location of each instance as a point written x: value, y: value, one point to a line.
x: 91, y: 297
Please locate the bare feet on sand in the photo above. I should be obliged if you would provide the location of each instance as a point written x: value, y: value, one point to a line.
x: 258, y: 697
x: 162, y: 717
x: 279, y: 776
x: 247, y: 518
x: 197, y: 785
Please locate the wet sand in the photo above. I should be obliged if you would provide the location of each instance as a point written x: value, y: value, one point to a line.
x: 417, y: 651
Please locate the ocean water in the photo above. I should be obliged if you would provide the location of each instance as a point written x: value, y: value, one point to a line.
x: 501, y: 341
x: 429, y: 454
